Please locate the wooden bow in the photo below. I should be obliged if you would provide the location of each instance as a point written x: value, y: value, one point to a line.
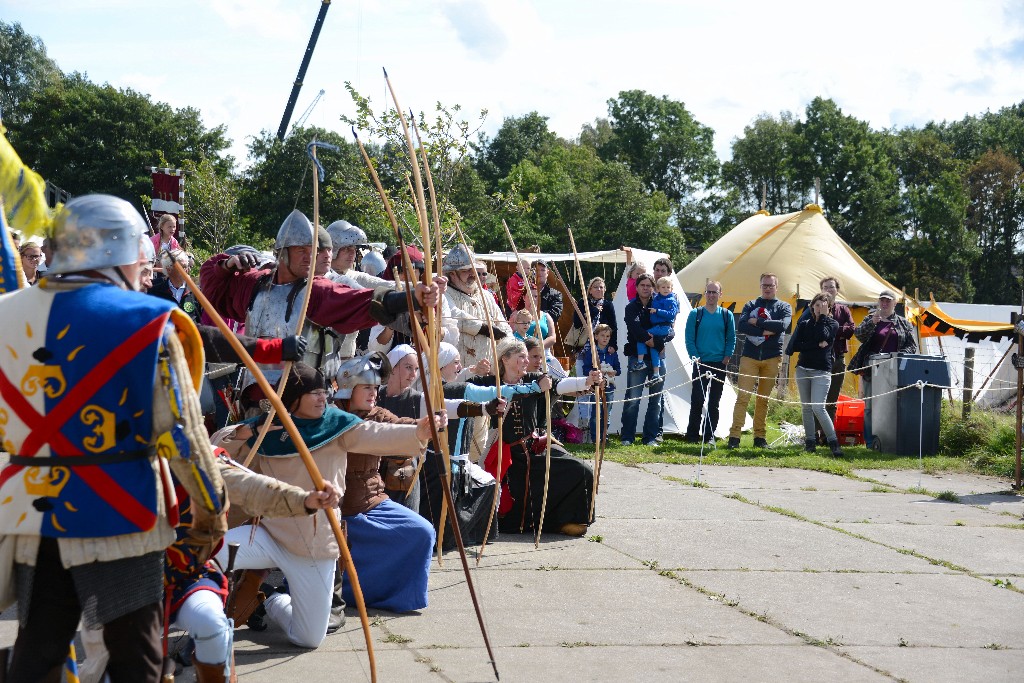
x: 481, y: 291
x: 307, y: 458
x: 547, y: 395
x: 420, y: 341
x: 599, y: 389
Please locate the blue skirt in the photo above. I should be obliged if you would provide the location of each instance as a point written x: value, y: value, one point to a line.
x: 391, y: 549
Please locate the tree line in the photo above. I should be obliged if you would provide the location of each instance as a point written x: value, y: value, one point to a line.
x: 938, y: 207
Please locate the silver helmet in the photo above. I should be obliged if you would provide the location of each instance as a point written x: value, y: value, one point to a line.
x: 344, y: 234
x: 373, y: 369
x: 373, y: 263
x: 323, y: 239
x: 96, y: 231
x: 459, y: 258
x: 296, y: 231
x: 148, y: 251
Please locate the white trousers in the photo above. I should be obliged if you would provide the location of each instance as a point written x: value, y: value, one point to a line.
x: 202, y: 615
x: 304, y: 611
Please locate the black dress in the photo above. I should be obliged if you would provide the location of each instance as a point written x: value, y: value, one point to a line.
x: 571, y: 481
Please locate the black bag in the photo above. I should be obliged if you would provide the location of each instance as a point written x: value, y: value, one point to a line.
x: 858, y: 365
x: 473, y: 496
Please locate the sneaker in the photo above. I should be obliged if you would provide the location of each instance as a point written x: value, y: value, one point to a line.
x: 626, y: 443
x: 734, y: 442
x: 760, y: 442
x: 638, y: 365
x: 336, y: 620
x: 652, y: 442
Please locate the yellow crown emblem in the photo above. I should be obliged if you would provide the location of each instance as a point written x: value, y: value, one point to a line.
x: 46, y: 481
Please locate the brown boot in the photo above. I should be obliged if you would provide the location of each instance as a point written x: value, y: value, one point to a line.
x: 572, y: 529
x: 213, y: 673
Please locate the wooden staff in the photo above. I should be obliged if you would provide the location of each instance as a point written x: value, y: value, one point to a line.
x: 600, y: 387
x: 417, y: 339
x: 547, y: 396
x: 497, y: 387
x: 307, y: 458
x: 311, y: 150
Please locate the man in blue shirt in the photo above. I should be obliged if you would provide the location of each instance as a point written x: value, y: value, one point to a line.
x: 710, y: 342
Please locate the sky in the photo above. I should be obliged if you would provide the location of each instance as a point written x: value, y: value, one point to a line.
x: 893, y: 63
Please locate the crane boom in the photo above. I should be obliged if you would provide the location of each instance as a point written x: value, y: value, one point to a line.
x: 290, y: 107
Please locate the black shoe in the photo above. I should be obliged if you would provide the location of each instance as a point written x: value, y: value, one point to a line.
x: 734, y: 442
x: 836, y: 451
x: 810, y: 445
x: 258, y: 620
x: 760, y: 442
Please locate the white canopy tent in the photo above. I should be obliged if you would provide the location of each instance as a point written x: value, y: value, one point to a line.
x: 677, y: 385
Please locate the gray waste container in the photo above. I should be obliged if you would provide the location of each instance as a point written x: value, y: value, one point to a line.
x: 896, y: 418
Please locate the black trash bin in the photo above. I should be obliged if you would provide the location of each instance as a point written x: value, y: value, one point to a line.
x: 900, y: 422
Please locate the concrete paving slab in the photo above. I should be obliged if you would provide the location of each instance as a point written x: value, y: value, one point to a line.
x: 835, y: 507
x: 962, y: 484
x: 780, y: 544
x: 984, y: 550
x: 738, y: 478
x: 940, y: 610
x: 602, y: 607
x: 678, y: 501
x: 516, y: 551
x: 793, y: 664
x: 944, y: 665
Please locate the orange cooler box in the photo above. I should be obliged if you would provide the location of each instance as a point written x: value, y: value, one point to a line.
x: 850, y: 421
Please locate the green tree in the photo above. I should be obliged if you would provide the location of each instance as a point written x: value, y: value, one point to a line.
x: 96, y: 138
x: 995, y: 216
x: 280, y: 179
x: 859, y: 184
x: 939, y: 253
x: 24, y: 68
x: 519, y: 138
x: 603, y: 202
x: 763, y: 161
x: 662, y: 144
x: 445, y: 136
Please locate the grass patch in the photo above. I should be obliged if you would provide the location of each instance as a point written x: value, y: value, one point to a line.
x: 397, y: 639
x: 948, y: 496
x: 983, y: 444
x: 596, y: 538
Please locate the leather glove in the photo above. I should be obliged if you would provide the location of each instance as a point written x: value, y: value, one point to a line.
x: 487, y: 331
x: 293, y: 347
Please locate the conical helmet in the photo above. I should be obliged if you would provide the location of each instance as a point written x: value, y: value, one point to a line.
x: 96, y: 231
x: 296, y: 231
x: 457, y: 259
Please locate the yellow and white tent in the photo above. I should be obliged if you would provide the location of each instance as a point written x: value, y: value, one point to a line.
x: 800, y: 248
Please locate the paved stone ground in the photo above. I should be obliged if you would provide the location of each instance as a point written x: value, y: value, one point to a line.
x: 756, y: 575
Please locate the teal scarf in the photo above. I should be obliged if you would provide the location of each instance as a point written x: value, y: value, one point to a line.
x: 315, y: 432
